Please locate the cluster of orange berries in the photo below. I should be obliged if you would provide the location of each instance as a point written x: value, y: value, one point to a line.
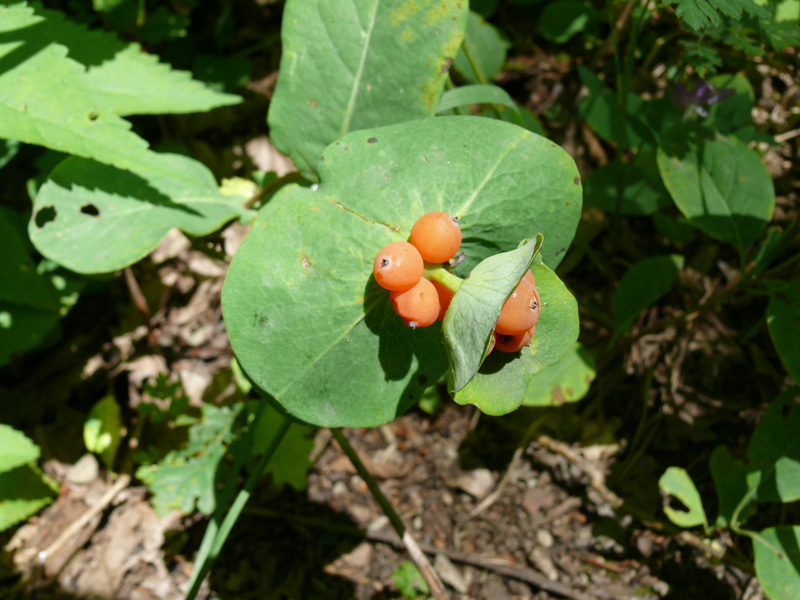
x: 436, y: 238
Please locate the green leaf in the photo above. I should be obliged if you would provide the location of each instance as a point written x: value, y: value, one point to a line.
x: 473, y: 312
x: 642, y: 285
x: 783, y: 322
x: 23, y: 492
x: 306, y: 319
x: 15, y: 449
x: 477, y: 94
x: 505, y: 381
x: 643, y: 192
x: 8, y: 150
x: 102, y: 218
x: 777, y: 558
x: 566, y: 381
x: 699, y: 14
x: 718, y: 183
x: 730, y: 481
x: 774, y: 450
x: 676, y: 482
x: 103, y: 430
x: 186, y: 478
x: 561, y: 20
x: 409, y: 581
x: 487, y: 48
x: 41, y: 89
x: 350, y: 65
x: 29, y: 308
x: 290, y: 463
x: 529, y: 120
x: 733, y: 112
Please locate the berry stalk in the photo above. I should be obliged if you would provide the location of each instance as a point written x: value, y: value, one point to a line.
x: 436, y: 272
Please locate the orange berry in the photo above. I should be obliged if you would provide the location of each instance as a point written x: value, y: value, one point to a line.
x: 521, y: 311
x: 529, y: 277
x: 398, y: 266
x: 419, y: 306
x: 437, y: 236
x: 513, y: 343
x: 445, y: 296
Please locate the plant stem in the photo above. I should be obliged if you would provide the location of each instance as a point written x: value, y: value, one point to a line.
x: 431, y: 577
x: 217, y: 532
x: 479, y: 74
x: 438, y: 273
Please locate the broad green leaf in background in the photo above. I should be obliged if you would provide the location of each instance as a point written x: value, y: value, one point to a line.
x: 642, y: 191
x: 42, y: 89
x: 718, y: 183
x: 23, y: 492
x: 642, y: 285
x: 777, y: 558
x: 783, y: 322
x: 507, y: 380
x: 484, y: 49
x: 529, y: 120
x: 699, y: 14
x: 566, y: 381
x: 645, y: 120
x: 8, y: 150
x: 95, y: 218
x: 730, y: 482
x: 473, y: 312
x: 353, y: 64
x: 561, y: 20
x: 186, y: 477
x: 290, y: 463
x: 29, y: 306
x: 676, y: 482
x: 733, y: 112
x: 478, y: 94
x: 306, y: 319
x: 678, y: 230
x: 15, y: 449
x: 103, y: 430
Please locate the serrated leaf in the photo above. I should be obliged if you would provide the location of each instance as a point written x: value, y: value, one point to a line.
x: 718, y: 183
x: 307, y: 321
x: 777, y: 560
x: 505, y: 381
x: 642, y: 285
x: 676, y: 482
x: 29, y: 308
x: 24, y: 491
x: 566, y: 381
x: 15, y: 449
x: 185, y: 478
x: 473, y: 312
x: 290, y: 463
x: 487, y: 48
x: 102, y: 218
x: 699, y: 14
x: 353, y: 64
x: 783, y: 322
x: 103, y: 431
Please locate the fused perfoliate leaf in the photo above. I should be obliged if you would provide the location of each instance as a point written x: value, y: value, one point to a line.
x: 566, y: 381
x: 474, y: 309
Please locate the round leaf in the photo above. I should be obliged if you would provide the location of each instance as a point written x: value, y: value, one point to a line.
x: 676, y: 482
x: 306, y: 319
x: 778, y: 561
x: 506, y: 380
x: 718, y: 183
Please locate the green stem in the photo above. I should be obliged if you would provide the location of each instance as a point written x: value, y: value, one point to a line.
x: 217, y: 533
x: 375, y: 490
x: 438, y: 273
x: 479, y: 75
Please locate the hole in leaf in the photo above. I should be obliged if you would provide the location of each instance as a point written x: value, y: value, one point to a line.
x: 44, y: 216
x: 90, y: 209
x: 675, y: 504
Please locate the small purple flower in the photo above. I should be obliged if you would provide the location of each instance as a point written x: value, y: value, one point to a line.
x: 701, y: 96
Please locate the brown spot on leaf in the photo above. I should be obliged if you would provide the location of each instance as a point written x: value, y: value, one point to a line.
x: 372, y: 140
x: 558, y: 397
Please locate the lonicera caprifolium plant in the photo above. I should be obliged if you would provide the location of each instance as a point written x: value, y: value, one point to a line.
x: 435, y: 241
